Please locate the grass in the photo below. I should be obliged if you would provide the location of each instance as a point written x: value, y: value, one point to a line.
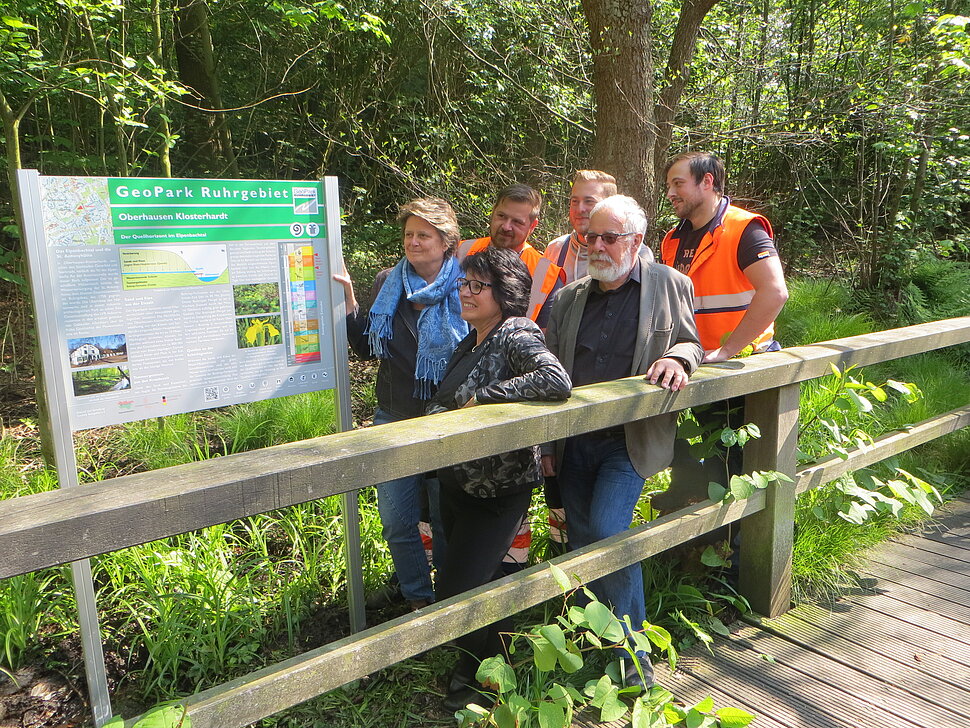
x: 819, y: 310
x: 196, y: 609
x: 826, y: 551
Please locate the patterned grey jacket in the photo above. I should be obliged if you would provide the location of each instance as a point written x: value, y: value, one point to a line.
x: 514, y: 366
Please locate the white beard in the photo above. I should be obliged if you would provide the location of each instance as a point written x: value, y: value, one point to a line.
x: 603, y: 268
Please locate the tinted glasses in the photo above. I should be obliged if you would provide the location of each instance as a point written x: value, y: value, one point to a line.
x: 608, y: 238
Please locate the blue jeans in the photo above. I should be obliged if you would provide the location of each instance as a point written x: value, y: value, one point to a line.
x: 599, y: 490
x: 399, y: 504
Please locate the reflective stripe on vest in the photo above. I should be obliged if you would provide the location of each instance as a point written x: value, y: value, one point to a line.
x: 722, y: 293
x: 472, y: 246
x: 544, y: 277
x: 724, y: 302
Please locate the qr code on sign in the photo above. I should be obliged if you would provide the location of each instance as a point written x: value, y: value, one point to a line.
x: 211, y: 394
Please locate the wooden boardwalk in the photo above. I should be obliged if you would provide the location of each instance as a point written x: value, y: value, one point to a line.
x: 894, y: 653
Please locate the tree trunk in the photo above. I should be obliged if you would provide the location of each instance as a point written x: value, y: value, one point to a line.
x: 11, y: 142
x: 633, y: 132
x: 206, y: 130
x: 920, y: 183
x: 682, y: 48
x: 164, y: 155
x: 623, y: 143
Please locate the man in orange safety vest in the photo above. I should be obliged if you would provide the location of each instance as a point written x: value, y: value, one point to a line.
x: 739, y: 288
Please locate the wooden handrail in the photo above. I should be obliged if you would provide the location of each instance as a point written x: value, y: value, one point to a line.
x: 47, y: 529
x: 56, y: 527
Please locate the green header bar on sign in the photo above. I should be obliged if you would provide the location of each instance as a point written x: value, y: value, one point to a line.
x: 148, y: 210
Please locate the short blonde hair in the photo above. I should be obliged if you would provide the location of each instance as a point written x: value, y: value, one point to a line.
x: 595, y: 175
x: 438, y: 213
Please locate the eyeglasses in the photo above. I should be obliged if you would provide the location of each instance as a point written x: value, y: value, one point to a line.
x: 474, y: 286
x: 608, y: 238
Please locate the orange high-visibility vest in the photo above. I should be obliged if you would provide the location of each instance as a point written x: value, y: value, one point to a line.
x: 722, y: 293
x: 544, y: 272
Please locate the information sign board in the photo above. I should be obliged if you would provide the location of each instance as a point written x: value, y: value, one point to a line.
x: 175, y: 295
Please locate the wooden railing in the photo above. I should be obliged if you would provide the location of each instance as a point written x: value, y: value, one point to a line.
x: 48, y: 529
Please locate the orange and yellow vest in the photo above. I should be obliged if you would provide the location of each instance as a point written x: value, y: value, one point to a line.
x: 545, y: 274
x: 722, y: 293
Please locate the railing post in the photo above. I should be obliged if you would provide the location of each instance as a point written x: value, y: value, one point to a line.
x: 767, y: 537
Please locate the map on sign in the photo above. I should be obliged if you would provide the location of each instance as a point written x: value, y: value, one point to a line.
x: 174, y: 295
x: 78, y: 211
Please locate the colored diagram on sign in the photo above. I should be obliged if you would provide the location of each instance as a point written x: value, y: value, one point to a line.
x: 174, y: 266
x: 304, y: 323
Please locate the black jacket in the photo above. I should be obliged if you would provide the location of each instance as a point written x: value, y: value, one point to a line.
x: 395, y: 375
x: 513, y: 365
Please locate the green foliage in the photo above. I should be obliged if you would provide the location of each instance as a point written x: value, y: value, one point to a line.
x: 161, y: 716
x: 836, y: 424
x: 744, y: 485
x: 554, y: 675
x: 200, y: 607
x: 828, y: 550
x: 27, y: 602
x: 273, y: 421
x: 10, y: 261
x: 40, y: 603
x: 833, y: 407
x: 937, y: 289
x: 256, y: 298
x: 859, y: 495
x: 691, y: 608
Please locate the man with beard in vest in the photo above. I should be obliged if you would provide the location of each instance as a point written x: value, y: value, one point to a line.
x: 739, y: 288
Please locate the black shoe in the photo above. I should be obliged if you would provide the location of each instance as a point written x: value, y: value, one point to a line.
x: 463, y: 674
x: 460, y: 681
x: 631, y: 676
x: 458, y: 699
x: 387, y: 595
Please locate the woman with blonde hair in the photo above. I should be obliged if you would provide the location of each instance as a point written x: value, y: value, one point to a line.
x: 412, y: 327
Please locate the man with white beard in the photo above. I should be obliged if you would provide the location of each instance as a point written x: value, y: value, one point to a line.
x: 630, y: 317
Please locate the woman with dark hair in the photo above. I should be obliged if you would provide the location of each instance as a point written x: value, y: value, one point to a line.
x: 413, y: 326
x: 503, y: 359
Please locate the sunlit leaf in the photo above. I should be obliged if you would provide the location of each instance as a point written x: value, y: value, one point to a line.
x: 560, y: 577
x: 712, y: 558
x: 734, y: 717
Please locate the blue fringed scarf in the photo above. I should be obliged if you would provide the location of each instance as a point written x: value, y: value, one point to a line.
x: 440, y: 326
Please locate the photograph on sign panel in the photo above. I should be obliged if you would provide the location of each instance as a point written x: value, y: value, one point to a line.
x: 255, y: 298
x: 98, y: 381
x: 90, y: 351
x: 256, y: 331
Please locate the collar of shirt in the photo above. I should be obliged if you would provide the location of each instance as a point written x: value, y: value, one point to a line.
x: 686, y: 228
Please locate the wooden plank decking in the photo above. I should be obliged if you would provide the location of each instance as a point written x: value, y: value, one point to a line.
x: 894, y: 653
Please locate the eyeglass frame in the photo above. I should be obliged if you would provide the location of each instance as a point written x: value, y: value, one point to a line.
x: 471, y: 285
x: 616, y: 237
